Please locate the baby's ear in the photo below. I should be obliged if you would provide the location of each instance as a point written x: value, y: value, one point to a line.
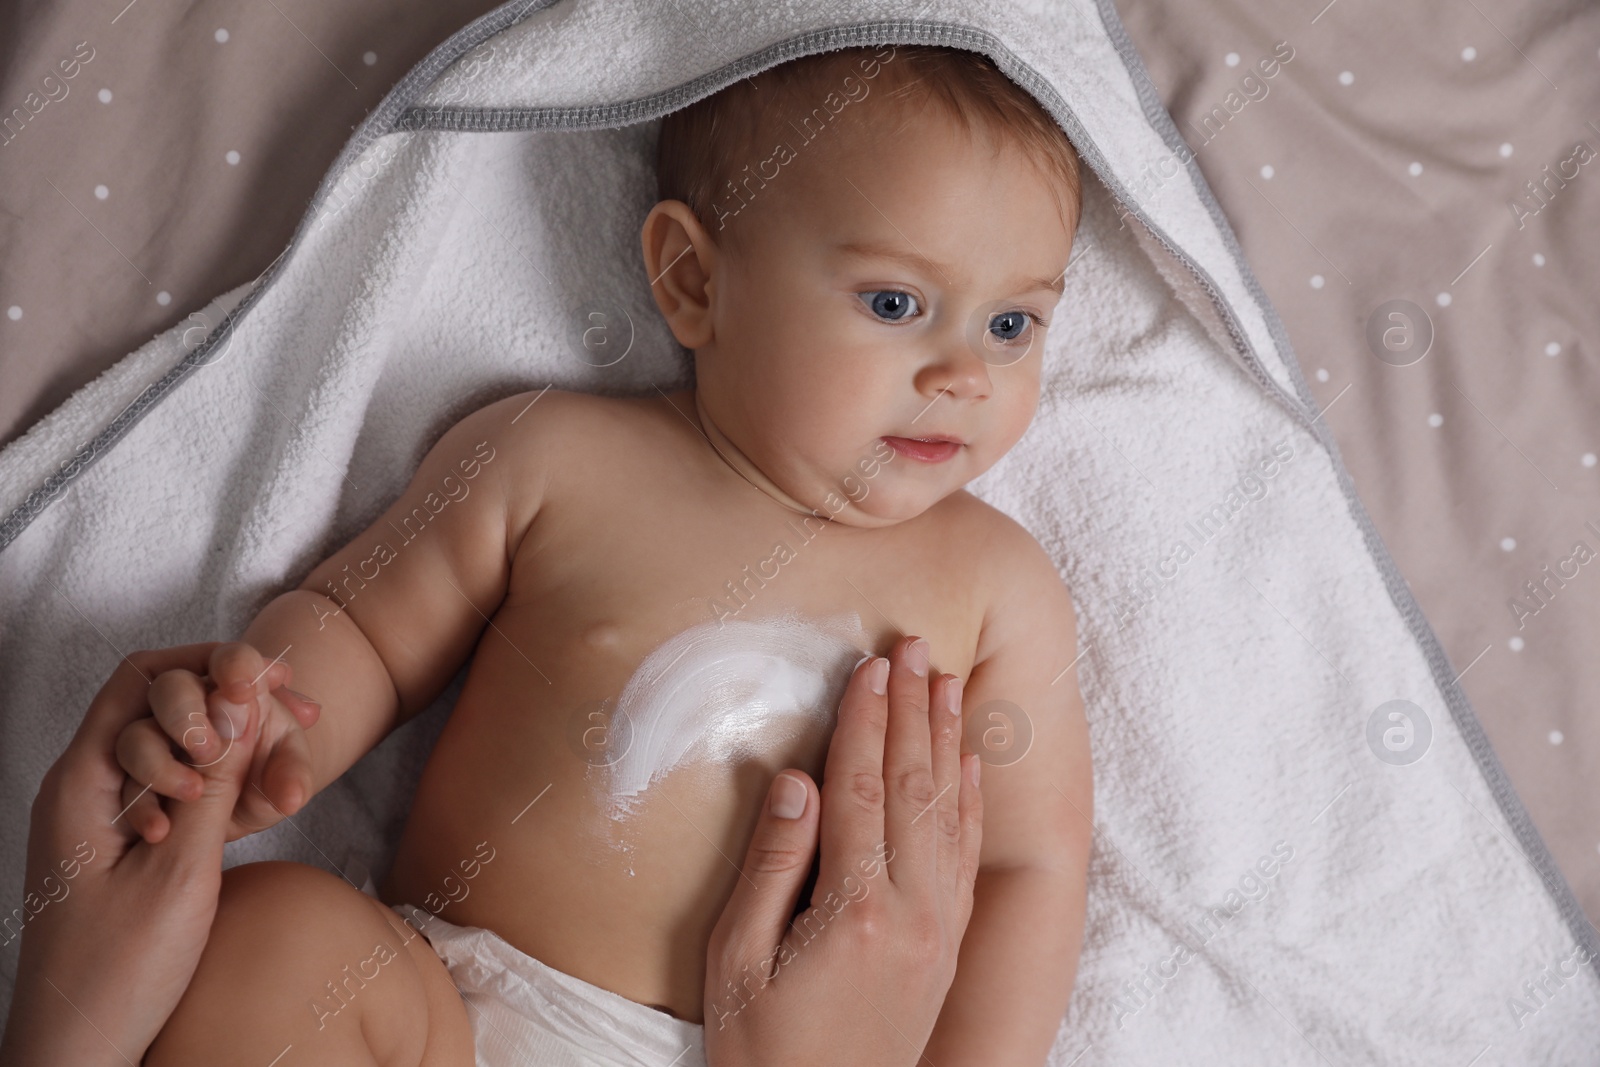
x: 679, y: 256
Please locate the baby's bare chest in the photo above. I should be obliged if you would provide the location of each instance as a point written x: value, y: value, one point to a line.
x: 601, y: 584
x: 659, y: 656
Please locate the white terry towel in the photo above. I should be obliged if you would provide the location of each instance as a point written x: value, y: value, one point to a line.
x: 1273, y: 881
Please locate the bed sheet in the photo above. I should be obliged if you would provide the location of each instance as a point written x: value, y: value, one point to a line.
x: 1415, y: 186
x: 155, y: 156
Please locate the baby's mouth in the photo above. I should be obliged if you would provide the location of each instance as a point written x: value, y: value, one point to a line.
x: 934, y: 449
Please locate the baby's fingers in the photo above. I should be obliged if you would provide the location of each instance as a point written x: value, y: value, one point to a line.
x: 145, y: 753
x: 287, y: 778
x: 178, y: 702
x: 306, y: 711
x: 141, y: 812
x: 238, y: 672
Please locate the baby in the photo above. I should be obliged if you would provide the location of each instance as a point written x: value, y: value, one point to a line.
x: 663, y: 596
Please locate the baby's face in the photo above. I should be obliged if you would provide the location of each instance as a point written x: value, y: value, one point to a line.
x: 889, y: 286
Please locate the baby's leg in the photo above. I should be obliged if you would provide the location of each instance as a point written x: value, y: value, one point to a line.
x: 303, y: 968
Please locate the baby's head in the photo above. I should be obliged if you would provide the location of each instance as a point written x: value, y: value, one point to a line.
x: 860, y: 248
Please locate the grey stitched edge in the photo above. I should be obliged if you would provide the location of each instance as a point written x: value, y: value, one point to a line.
x: 395, y: 113
x: 1532, y: 844
x: 601, y: 116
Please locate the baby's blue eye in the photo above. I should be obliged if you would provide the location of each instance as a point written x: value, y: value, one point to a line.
x: 1008, y: 325
x: 890, y: 304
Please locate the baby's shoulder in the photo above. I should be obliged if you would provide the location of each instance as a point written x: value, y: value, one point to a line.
x: 529, y: 438
x: 999, y: 550
x: 1015, y: 581
x: 548, y: 426
x: 552, y: 412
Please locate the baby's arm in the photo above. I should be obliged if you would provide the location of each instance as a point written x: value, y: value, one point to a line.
x: 377, y: 630
x: 1019, y: 957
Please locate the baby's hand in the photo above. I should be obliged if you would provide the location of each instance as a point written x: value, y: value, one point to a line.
x: 191, y: 725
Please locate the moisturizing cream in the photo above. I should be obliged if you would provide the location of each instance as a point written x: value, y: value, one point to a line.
x: 728, y: 690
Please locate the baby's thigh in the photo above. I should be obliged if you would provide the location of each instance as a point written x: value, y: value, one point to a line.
x: 301, y: 967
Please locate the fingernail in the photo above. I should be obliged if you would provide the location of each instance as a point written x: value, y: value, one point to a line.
x: 952, y: 696
x: 229, y: 719
x: 878, y: 676
x: 917, y: 655
x: 305, y: 699
x: 977, y: 770
x: 788, y: 797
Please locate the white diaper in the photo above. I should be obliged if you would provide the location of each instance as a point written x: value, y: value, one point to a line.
x: 526, y: 1013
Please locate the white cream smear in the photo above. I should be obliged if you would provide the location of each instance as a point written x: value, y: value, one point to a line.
x: 725, y: 691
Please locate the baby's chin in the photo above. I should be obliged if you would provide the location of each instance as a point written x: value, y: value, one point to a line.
x: 886, y: 505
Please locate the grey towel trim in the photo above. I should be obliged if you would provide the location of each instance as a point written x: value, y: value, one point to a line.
x: 1529, y: 840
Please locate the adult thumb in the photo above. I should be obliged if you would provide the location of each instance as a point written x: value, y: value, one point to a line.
x: 775, y: 868
x: 204, y: 821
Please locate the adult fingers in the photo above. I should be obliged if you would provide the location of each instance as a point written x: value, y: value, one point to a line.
x: 89, y: 759
x: 145, y: 752
x: 80, y: 797
x: 199, y: 826
x: 756, y: 916
x: 178, y: 702
x: 178, y: 699
x: 971, y: 809
x: 944, y: 725
x: 852, y: 776
x: 909, y: 790
x: 141, y: 814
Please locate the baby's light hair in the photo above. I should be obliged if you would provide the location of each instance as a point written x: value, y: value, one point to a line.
x: 704, y: 146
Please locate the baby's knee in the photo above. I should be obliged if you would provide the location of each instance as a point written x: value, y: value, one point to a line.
x: 298, y: 959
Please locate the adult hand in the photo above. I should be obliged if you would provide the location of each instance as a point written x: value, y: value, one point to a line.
x: 116, y: 924
x: 859, y: 978
x: 160, y: 751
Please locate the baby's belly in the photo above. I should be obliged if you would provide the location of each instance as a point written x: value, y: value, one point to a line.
x: 603, y: 834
